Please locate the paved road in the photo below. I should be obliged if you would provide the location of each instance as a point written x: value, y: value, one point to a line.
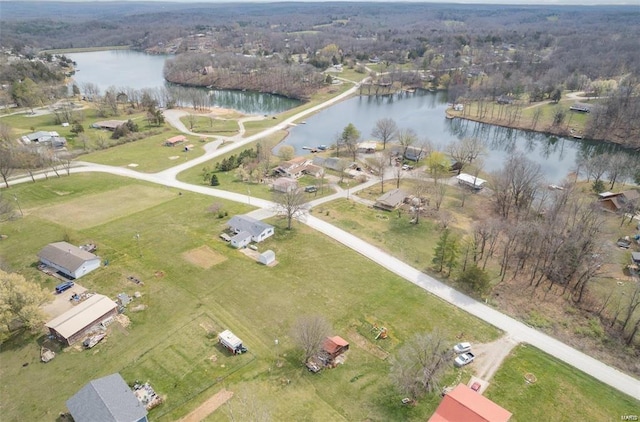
x: 515, y: 329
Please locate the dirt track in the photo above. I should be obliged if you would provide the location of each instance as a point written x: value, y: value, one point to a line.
x: 209, y: 406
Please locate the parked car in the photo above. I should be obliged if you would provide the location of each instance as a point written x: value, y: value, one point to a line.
x: 475, y: 386
x: 623, y: 243
x: 462, y: 347
x: 311, y: 189
x: 464, y: 359
x: 64, y: 286
x: 407, y: 167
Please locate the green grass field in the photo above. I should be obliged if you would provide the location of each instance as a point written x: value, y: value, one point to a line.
x: 172, y: 343
x: 560, y: 393
x: 209, y: 125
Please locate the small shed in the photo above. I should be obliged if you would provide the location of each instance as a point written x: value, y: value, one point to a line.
x: 241, y: 239
x: 335, y: 346
x: 635, y: 257
x: 267, y: 257
x: 175, y: 140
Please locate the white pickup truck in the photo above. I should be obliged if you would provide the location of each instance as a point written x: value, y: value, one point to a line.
x: 464, y: 359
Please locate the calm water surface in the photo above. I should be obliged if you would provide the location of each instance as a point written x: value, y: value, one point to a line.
x: 133, y: 69
x: 422, y: 111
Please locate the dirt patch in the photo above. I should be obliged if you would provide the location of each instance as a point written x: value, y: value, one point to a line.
x: 203, y: 257
x: 489, y: 356
x: 209, y: 406
x: 366, y: 345
x: 255, y: 255
x: 61, y: 303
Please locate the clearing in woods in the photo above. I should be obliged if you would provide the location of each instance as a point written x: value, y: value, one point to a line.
x: 94, y: 210
x: 203, y: 257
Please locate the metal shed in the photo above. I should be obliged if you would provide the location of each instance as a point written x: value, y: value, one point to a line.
x: 267, y: 257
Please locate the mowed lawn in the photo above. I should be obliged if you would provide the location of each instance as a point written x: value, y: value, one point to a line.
x: 149, y: 154
x: 172, y: 342
x: 560, y: 393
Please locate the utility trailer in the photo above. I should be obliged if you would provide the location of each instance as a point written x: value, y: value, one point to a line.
x: 231, y: 342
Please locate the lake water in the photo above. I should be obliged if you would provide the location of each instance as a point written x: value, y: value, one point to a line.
x: 422, y: 111
x: 133, y: 69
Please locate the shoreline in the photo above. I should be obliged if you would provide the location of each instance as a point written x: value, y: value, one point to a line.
x: 561, y: 132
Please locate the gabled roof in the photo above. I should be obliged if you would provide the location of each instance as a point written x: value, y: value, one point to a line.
x: 393, y: 198
x: 464, y: 404
x: 81, y: 315
x: 106, y: 399
x: 176, y: 139
x: 109, y: 124
x: 285, y: 182
x: 333, y: 344
x: 294, y: 162
x: 249, y: 224
x: 241, y: 237
x: 66, y: 255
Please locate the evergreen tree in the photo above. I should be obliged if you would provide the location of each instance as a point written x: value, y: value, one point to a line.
x: 214, y: 180
x: 446, y: 252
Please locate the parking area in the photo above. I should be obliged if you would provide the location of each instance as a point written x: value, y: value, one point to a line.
x: 62, y: 302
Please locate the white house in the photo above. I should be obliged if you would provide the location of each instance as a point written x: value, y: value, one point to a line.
x: 68, y: 259
x: 241, y: 240
x: 243, y: 223
x: 293, y: 168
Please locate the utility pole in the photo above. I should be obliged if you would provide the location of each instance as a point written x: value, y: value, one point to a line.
x: 138, y: 241
x: 15, y: 197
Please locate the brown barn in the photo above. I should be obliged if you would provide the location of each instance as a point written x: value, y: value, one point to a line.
x: 76, y: 323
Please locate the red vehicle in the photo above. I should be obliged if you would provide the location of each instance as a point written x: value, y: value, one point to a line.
x: 475, y: 386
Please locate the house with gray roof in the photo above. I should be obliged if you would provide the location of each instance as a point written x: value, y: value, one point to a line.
x: 107, y: 399
x: 44, y: 138
x: 391, y: 200
x: 259, y: 230
x: 68, y: 259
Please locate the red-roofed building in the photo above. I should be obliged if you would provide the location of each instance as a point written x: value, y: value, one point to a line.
x: 462, y: 404
x: 175, y: 140
x: 334, y: 346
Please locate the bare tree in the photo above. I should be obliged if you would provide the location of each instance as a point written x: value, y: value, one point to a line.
x: 309, y: 332
x: 420, y: 364
x: 465, y: 151
x: 290, y: 205
x: 406, y: 139
x: 386, y: 130
x: 7, y: 160
x: 7, y: 211
x: 245, y: 406
x: 379, y: 165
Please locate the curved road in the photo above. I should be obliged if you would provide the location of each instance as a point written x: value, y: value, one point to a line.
x: 514, y: 329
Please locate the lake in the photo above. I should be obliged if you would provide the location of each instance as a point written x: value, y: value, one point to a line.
x: 422, y: 111
x: 137, y: 70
